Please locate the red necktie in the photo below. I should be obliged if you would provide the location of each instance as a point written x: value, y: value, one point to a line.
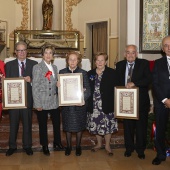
x: 22, y: 69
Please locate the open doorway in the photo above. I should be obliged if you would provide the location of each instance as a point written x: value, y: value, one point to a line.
x: 97, y: 38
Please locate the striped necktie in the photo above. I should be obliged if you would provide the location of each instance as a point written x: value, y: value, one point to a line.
x: 130, y: 73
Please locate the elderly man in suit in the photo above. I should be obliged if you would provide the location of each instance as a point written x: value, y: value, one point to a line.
x: 161, y: 87
x: 21, y: 67
x: 46, y: 98
x: 135, y: 72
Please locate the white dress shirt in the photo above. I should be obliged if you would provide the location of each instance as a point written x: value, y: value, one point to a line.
x: 50, y: 68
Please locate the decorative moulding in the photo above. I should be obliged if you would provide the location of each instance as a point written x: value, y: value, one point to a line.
x: 25, y: 18
x: 68, y: 11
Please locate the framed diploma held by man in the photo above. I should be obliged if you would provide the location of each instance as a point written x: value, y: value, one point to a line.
x: 126, y: 102
x: 14, y: 93
x: 70, y: 91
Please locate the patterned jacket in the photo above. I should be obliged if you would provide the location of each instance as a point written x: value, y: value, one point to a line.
x: 44, y: 90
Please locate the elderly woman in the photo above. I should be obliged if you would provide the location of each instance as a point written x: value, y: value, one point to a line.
x: 101, y: 121
x: 44, y: 87
x: 74, y: 117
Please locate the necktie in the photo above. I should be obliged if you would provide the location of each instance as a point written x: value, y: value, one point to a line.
x: 130, y: 73
x: 22, y: 69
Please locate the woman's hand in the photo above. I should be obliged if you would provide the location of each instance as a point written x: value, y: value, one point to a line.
x: 39, y: 109
x: 81, y: 104
x: 58, y: 84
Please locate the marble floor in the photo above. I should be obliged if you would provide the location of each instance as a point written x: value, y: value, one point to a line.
x: 87, y: 161
x: 57, y: 159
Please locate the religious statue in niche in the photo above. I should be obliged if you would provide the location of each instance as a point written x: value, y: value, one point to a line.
x: 47, y: 11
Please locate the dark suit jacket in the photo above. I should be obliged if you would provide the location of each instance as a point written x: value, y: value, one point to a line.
x: 161, y: 81
x: 108, y: 82
x: 141, y: 77
x: 12, y: 70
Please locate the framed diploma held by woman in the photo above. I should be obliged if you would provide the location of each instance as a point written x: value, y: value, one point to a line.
x: 14, y: 93
x: 126, y: 102
x: 70, y: 91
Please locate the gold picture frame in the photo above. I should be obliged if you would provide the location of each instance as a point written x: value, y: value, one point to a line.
x: 70, y: 91
x: 126, y: 102
x: 14, y: 93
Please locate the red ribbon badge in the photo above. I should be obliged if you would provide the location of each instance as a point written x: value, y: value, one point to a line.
x: 48, y: 74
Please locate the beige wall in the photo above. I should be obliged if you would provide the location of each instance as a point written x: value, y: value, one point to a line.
x: 84, y: 11
x: 94, y: 10
x: 12, y: 12
x: 113, y: 52
x: 91, y: 11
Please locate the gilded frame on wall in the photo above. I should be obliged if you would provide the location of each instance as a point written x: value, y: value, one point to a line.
x: 154, y: 24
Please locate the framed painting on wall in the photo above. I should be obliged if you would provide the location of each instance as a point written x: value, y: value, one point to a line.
x: 154, y: 24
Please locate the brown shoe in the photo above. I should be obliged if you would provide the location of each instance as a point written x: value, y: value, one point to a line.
x: 95, y: 149
x: 109, y: 153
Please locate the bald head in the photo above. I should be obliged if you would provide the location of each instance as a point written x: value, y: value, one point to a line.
x: 166, y: 45
x: 131, y: 53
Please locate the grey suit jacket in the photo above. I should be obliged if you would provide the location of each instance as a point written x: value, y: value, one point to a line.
x: 44, y: 91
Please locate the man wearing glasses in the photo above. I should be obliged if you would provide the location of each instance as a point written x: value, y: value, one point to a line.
x: 161, y: 89
x: 135, y: 72
x: 21, y: 67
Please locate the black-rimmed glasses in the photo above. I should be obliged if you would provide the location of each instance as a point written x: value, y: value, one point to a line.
x: 20, y: 51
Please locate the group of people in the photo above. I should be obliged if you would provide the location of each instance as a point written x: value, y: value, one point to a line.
x: 97, y: 112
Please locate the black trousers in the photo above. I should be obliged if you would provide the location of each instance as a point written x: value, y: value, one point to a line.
x: 136, y: 128
x: 42, y: 119
x: 25, y: 115
x: 162, y: 115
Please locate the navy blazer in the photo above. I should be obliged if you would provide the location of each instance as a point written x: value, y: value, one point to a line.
x: 161, y: 81
x: 141, y: 77
x: 12, y: 70
x: 108, y: 82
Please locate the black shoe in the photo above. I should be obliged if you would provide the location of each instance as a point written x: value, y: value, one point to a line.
x: 68, y: 151
x: 127, y: 154
x: 46, y: 150
x: 10, y: 151
x: 157, y: 161
x: 28, y: 151
x: 58, y: 146
x: 141, y: 156
x: 78, y: 151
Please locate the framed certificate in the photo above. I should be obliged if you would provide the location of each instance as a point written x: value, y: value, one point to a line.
x: 126, y: 103
x: 14, y: 93
x: 71, y: 89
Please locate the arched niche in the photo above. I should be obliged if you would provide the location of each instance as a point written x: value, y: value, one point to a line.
x: 38, y: 17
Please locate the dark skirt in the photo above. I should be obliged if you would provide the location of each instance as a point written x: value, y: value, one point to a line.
x: 74, y: 118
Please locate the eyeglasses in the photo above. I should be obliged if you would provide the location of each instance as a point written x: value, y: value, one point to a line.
x: 20, y: 51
